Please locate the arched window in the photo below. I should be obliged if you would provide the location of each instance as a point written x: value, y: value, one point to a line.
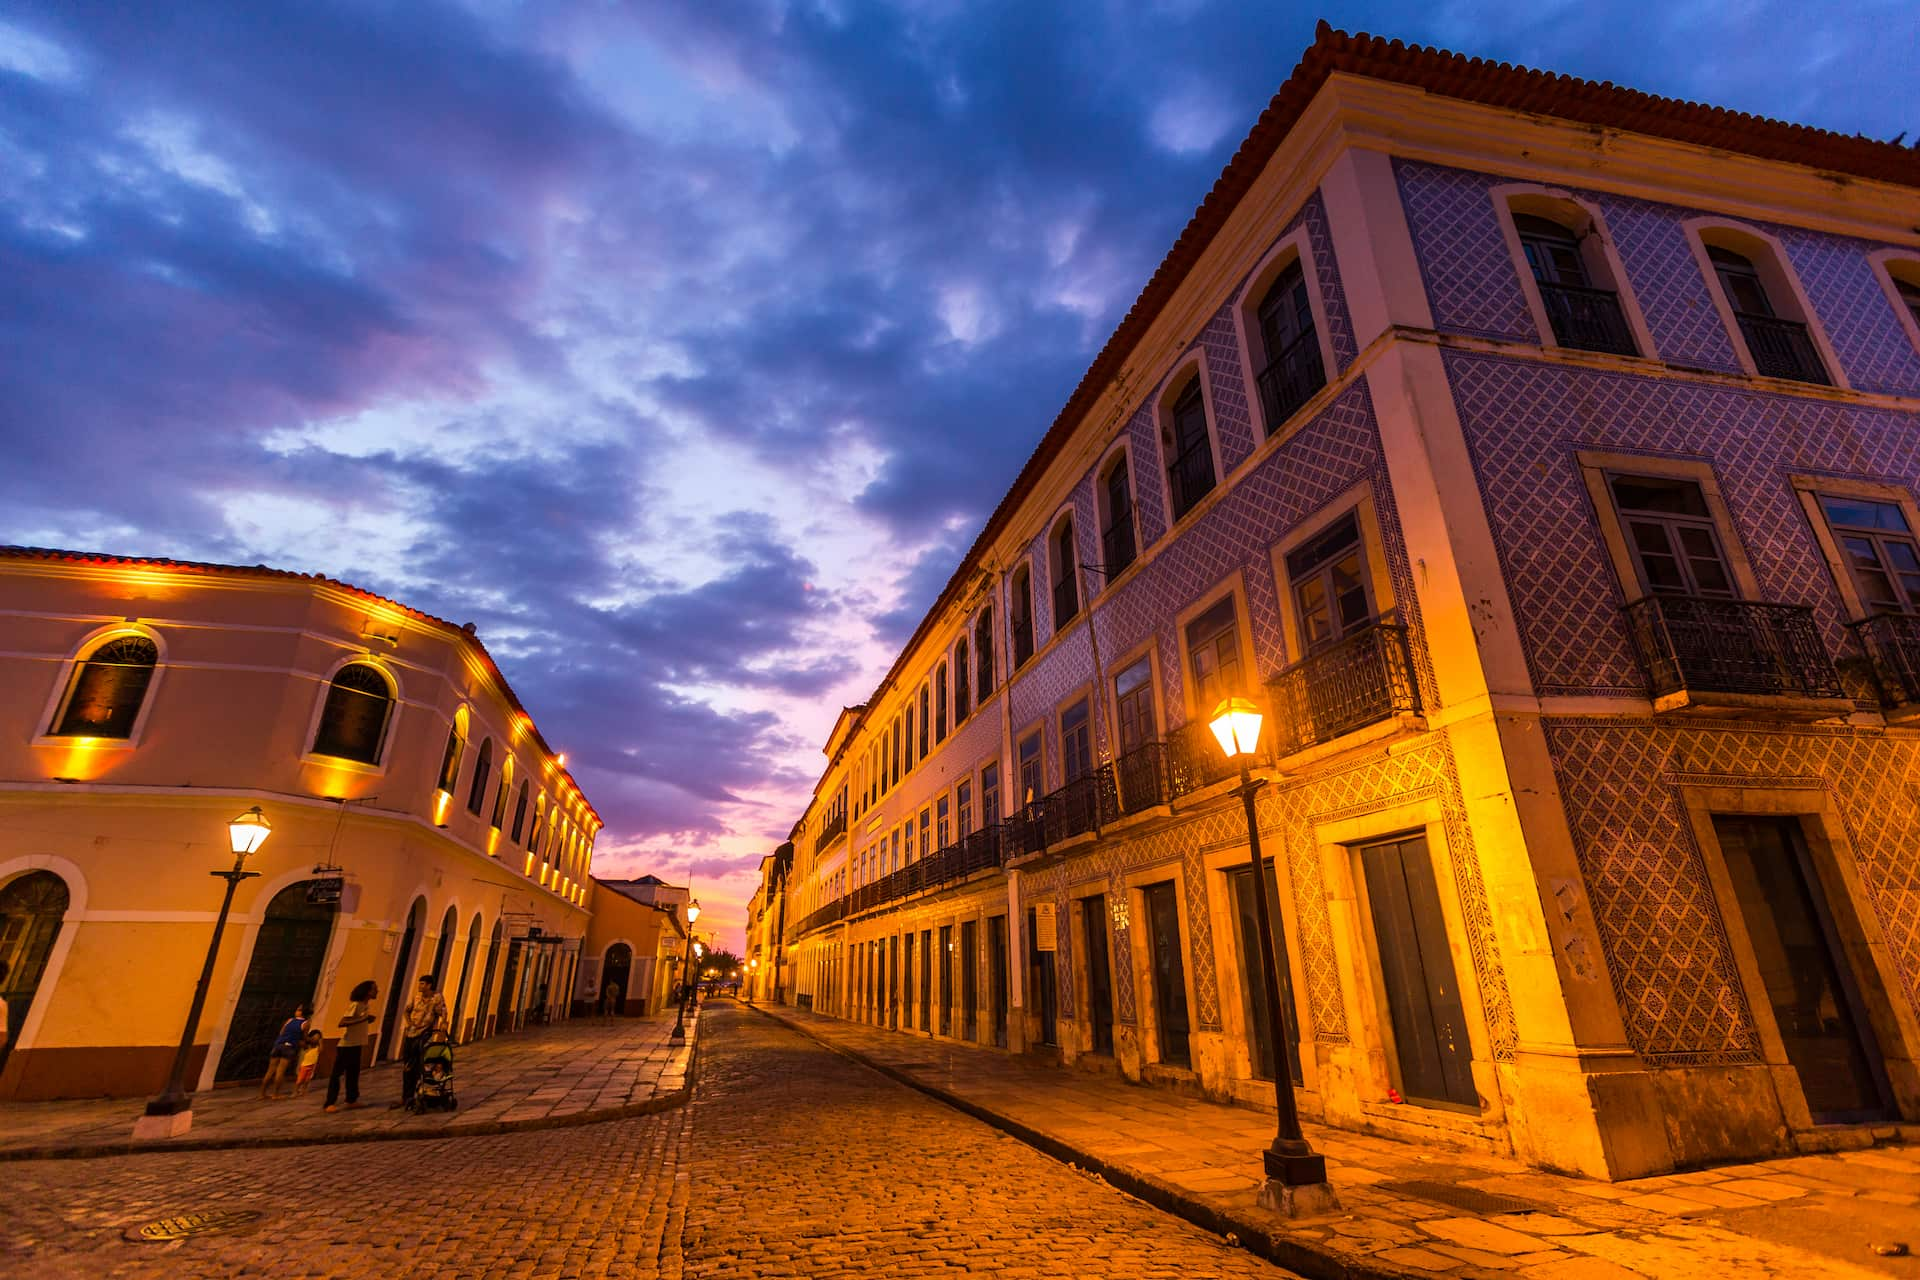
x: 108, y: 689
x: 924, y: 722
x: 1581, y: 303
x: 353, y: 724
x: 940, y: 703
x: 1022, y: 613
x: 1189, y: 449
x: 482, y: 766
x: 1290, y: 346
x: 451, y: 757
x: 962, y: 673
x: 500, y: 794
x: 520, y: 812
x: 534, y: 829
x: 1117, y: 547
x: 983, y: 656
x: 1766, y: 312
x: 1066, y: 573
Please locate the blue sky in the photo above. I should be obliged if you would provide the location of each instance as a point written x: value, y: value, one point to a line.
x: 681, y: 347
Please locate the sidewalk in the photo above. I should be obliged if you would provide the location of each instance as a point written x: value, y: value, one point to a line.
x: 573, y: 1072
x: 1798, y: 1217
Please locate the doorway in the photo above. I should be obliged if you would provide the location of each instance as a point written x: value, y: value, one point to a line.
x: 946, y: 979
x: 480, y: 1027
x: 1254, y: 981
x: 288, y: 954
x: 466, y: 979
x: 969, y: 980
x: 616, y: 972
x: 388, y: 1046
x: 31, y: 911
x: 1813, y: 990
x: 509, y: 986
x: 1093, y: 930
x: 997, y: 975
x: 1416, y: 967
x: 1046, y: 996
x: 1169, y: 974
x: 926, y: 980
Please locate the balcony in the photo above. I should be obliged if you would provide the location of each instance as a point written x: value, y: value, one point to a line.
x: 1587, y: 319
x: 1194, y: 758
x: 1191, y: 476
x: 835, y: 827
x: 1707, y: 654
x: 1079, y: 807
x: 1892, y: 645
x: 1362, y: 680
x: 1143, y: 778
x: 1117, y: 546
x: 1782, y: 349
x: 1290, y: 380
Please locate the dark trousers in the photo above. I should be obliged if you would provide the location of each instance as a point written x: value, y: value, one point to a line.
x: 346, y: 1064
x: 410, y: 1050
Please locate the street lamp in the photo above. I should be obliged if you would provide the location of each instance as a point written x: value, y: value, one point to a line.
x: 686, y: 985
x: 753, y: 971
x: 171, y: 1114
x: 1296, y: 1175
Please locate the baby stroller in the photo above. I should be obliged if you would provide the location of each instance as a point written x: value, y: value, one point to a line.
x: 435, y: 1091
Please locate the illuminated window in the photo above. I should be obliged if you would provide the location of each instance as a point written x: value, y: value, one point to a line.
x: 450, y: 758
x: 482, y: 766
x: 520, y: 813
x: 500, y: 795
x: 353, y: 724
x: 108, y: 689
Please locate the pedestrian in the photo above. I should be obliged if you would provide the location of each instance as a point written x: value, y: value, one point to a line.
x: 612, y: 1000
x: 353, y: 1044
x: 426, y: 1014
x: 309, y: 1061
x: 286, y: 1048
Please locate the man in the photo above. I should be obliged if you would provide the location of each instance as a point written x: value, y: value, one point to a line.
x: 613, y: 1005
x: 426, y: 1013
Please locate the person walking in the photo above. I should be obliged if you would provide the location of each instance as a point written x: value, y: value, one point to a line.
x: 352, y: 1046
x: 612, y: 999
x: 426, y: 1014
x: 286, y: 1048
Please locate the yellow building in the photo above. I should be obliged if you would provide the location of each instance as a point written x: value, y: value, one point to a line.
x: 636, y: 942
x: 420, y: 825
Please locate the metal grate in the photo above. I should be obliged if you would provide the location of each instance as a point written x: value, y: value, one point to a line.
x: 194, y: 1224
x: 1460, y: 1196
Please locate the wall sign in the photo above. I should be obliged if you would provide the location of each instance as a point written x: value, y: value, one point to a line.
x: 1046, y: 934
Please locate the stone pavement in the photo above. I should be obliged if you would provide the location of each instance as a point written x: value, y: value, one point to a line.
x: 1806, y: 1216
x: 572, y: 1072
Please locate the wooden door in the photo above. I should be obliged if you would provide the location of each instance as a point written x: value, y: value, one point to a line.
x: 1169, y: 974
x: 1423, y: 995
x: 1093, y: 927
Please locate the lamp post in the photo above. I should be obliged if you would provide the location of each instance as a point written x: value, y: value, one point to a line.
x: 753, y: 971
x: 1296, y: 1182
x: 171, y: 1114
x: 686, y: 985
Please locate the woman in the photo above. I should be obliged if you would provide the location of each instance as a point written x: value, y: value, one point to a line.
x: 353, y: 1044
x: 286, y: 1048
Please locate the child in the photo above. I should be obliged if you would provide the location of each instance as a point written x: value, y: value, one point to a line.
x: 309, y: 1059
x: 286, y: 1047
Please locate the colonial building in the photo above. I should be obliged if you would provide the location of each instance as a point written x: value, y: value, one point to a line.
x: 420, y: 824
x: 1543, y: 457
x: 635, y: 946
x: 766, y: 976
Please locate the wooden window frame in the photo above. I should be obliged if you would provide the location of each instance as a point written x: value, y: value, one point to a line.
x: 1807, y: 490
x: 1595, y: 467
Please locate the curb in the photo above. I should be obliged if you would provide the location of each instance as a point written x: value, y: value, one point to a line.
x: 1258, y: 1238
x: 474, y: 1129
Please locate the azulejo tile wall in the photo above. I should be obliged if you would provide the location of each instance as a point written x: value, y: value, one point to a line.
x: 1665, y: 943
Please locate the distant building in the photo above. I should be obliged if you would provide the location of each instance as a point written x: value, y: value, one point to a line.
x: 1542, y: 458
x: 767, y: 976
x: 635, y: 942
x: 420, y: 823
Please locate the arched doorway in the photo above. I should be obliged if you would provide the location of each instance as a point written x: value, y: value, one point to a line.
x: 31, y: 909
x: 288, y: 954
x: 480, y: 1028
x: 449, y: 925
x: 466, y: 975
x: 616, y: 969
x: 509, y: 987
x: 397, y: 994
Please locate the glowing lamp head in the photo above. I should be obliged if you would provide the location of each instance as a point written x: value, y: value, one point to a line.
x: 693, y: 911
x: 249, y: 831
x: 1236, y: 723
x: 699, y: 950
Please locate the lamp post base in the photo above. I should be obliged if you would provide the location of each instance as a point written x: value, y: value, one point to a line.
x: 1296, y: 1185
x: 159, y: 1123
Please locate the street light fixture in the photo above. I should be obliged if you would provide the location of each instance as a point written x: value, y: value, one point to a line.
x: 753, y: 971
x: 1296, y: 1182
x: 171, y: 1114
x: 686, y: 984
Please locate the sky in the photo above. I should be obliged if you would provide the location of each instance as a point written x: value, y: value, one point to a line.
x: 681, y: 347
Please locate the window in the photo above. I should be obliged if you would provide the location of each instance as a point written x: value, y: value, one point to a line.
x: 926, y: 831
x: 1909, y: 294
x: 894, y: 778
x: 908, y: 763
x: 1133, y: 704
x: 533, y: 828
x: 1671, y: 536
x: 990, y: 794
x: 520, y: 813
x: 1022, y: 610
x: 1290, y: 345
x: 960, y: 677
x: 1117, y: 547
x: 1880, y: 552
x: 1778, y: 344
x: 1584, y: 314
x: 924, y: 726
x: 940, y: 703
x: 963, y: 807
x: 353, y: 723
x: 1066, y: 573
x: 482, y: 767
x: 1328, y: 577
x: 983, y: 655
x: 943, y: 822
x: 450, y: 758
x: 109, y: 688
x: 895, y: 865
x: 500, y: 795
x: 1189, y: 450
x: 1033, y: 778
x: 1076, y: 741
x: 1213, y: 647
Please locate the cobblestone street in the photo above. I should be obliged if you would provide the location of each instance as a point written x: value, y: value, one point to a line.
x: 790, y: 1161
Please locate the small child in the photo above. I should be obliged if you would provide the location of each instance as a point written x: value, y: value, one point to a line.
x: 309, y: 1059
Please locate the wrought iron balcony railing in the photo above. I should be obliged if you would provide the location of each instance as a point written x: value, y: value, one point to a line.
x: 1143, y: 778
x: 1892, y: 644
x: 835, y: 827
x: 1362, y: 679
x: 1080, y: 806
x: 1066, y: 599
x: 1291, y: 378
x: 1117, y: 545
x: 1588, y: 319
x: 1191, y: 477
x: 1782, y: 349
x: 1699, y: 644
x: 1194, y: 758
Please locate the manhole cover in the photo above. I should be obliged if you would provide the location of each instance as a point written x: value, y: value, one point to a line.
x: 1472, y: 1199
x: 194, y: 1224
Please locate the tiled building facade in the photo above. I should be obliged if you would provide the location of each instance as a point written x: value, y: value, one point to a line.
x: 1540, y: 456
